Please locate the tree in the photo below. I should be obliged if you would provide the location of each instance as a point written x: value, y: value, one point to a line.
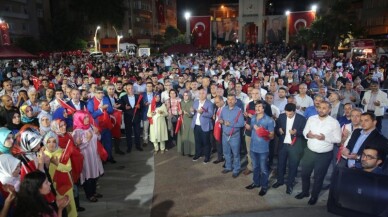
x: 171, y: 33
x: 337, y: 25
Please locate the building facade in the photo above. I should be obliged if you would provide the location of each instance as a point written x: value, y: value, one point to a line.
x: 26, y: 18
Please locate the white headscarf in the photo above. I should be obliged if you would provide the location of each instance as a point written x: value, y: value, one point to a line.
x: 8, y: 165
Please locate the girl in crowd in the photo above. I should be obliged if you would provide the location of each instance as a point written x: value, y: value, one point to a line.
x: 158, y: 129
x: 66, y: 142
x: 186, y: 143
x: 30, y: 200
x: 44, y: 124
x: 173, y: 108
x: 6, y: 140
x: 14, y: 122
x: 59, y: 170
x: 86, y: 136
x: 27, y: 115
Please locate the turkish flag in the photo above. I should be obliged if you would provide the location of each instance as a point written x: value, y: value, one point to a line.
x: 298, y: 20
x: 160, y: 10
x: 201, y: 31
x: 4, y: 31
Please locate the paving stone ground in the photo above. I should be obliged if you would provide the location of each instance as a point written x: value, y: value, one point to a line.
x: 143, y: 185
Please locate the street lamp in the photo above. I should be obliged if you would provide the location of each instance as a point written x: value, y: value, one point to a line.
x: 287, y: 26
x: 95, y: 38
x: 118, y: 43
x: 187, y: 17
x: 314, y: 8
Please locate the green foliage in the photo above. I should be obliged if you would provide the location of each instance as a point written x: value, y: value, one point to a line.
x: 29, y: 44
x: 171, y: 33
x: 338, y: 24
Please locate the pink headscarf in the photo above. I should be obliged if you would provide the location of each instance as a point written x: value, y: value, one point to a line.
x: 78, y: 120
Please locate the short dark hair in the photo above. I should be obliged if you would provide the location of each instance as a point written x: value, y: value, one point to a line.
x: 262, y: 102
x: 99, y: 88
x: 370, y: 114
x: 290, y: 107
x: 381, y: 153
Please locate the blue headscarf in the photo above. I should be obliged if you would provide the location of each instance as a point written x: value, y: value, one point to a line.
x: 4, y: 132
x: 58, y: 114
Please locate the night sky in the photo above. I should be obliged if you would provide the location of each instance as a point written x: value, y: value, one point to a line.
x: 201, y: 7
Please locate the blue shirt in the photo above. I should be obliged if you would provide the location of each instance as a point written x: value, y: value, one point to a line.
x: 230, y: 115
x: 310, y: 111
x: 258, y: 144
x: 361, y: 139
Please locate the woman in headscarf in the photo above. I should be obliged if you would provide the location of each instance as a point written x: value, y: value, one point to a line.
x: 27, y: 115
x: 31, y: 198
x: 186, y: 142
x: 44, y: 124
x: 66, y: 141
x: 158, y: 128
x: 61, y: 113
x: 59, y: 170
x: 14, y: 122
x: 173, y: 108
x: 6, y: 140
x: 9, y: 181
x: 86, y: 136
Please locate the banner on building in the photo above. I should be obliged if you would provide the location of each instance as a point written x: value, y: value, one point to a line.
x: 275, y: 29
x: 225, y: 30
x: 4, y: 31
x: 160, y: 11
x: 299, y: 20
x: 200, y: 31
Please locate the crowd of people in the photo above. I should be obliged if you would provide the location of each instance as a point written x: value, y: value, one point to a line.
x: 61, y: 119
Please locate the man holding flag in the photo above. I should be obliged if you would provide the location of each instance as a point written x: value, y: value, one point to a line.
x: 130, y: 105
x: 232, y: 120
x: 100, y: 108
x: 146, y: 101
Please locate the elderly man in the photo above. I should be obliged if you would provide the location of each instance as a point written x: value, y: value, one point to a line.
x: 302, y: 99
x: 202, y: 124
x: 33, y: 101
x: 375, y: 101
x: 349, y: 95
x: 232, y: 120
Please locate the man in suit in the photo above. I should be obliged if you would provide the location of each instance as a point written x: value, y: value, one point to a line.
x: 96, y: 106
x: 375, y: 101
x: 148, y: 95
x: 275, y: 34
x: 115, y: 103
x: 75, y: 101
x: 360, y: 138
x: 131, y: 119
x: 202, y: 124
x: 289, y: 128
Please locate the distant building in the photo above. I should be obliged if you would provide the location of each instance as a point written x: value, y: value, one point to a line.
x: 26, y: 18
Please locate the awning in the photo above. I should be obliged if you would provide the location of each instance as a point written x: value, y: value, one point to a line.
x: 12, y: 52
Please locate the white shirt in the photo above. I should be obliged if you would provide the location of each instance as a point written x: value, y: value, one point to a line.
x: 290, y: 123
x: 275, y: 111
x: 328, y: 127
x: 164, y: 96
x: 167, y: 60
x: 55, y: 105
x: 77, y: 106
x: 200, y: 105
x: 305, y: 101
x: 139, y: 88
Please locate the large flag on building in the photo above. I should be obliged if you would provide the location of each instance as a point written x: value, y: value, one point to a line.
x: 160, y: 11
x: 200, y: 31
x: 299, y: 20
x: 4, y: 32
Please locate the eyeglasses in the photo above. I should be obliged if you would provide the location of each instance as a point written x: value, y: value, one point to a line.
x: 368, y: 157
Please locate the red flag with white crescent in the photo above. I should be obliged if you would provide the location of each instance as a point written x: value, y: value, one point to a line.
x: 116, y: 130
x: 299, y: 20
x: 4, y: 32
x: 201, y: 31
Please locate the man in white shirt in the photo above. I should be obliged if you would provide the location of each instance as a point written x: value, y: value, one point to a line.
x: 281, y: 101
x: 55, y: 104
x: 166, y: 94
x: 302, y: 99
x: 167, y: 62
x: 322, y: 131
